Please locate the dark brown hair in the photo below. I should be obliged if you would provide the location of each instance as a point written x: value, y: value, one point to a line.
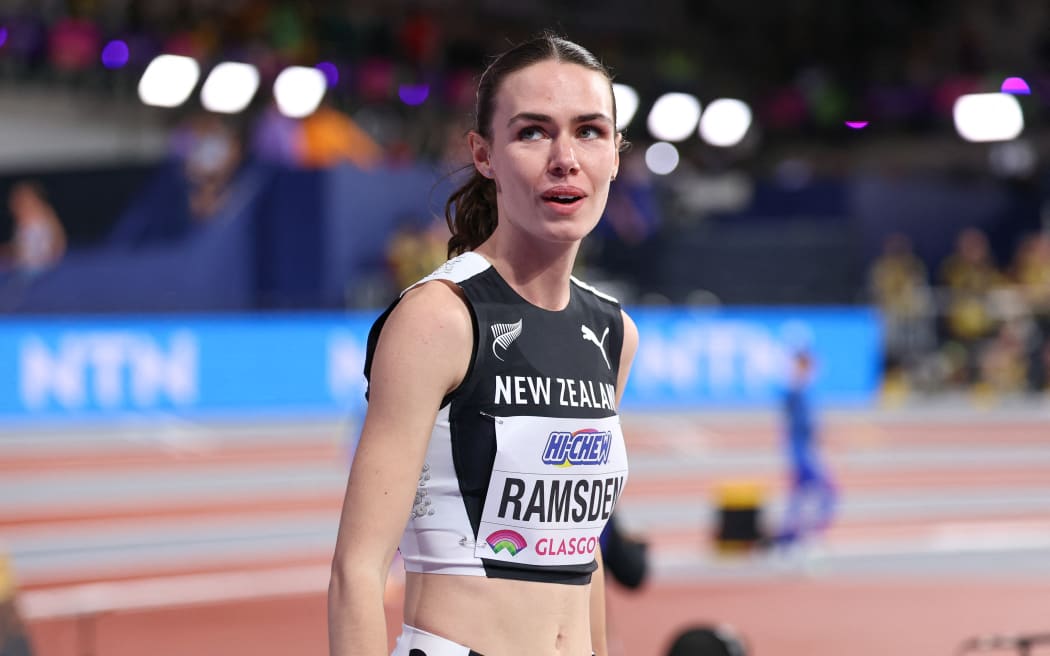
x: 471, y: 209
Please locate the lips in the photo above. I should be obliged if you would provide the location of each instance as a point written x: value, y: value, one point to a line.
x: 563, y: 195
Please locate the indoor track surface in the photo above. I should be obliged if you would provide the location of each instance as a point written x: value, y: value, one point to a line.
x: 165, y: 537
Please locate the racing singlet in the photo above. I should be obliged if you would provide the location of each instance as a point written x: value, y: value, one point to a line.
x: 526, y: 460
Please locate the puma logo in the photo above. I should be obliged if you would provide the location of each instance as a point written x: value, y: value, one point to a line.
x: 589, y: 336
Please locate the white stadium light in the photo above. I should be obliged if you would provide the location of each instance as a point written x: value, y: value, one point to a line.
x: 168, y: 80
x: 229, y: 87
x: 298, y: 90
x: 988, y: 117
x: 661, y: 158
x: 626, y: 104
x: 674, y: 116
x: 725, y: 122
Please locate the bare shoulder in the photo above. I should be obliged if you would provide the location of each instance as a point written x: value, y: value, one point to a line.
x: 429, y: 333
x: 436, y: 309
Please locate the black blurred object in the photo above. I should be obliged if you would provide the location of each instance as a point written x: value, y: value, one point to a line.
x: 626, y: 558
x: 739, y: 519
x: 707, y: 640
x: 14, y: 638
x: 739, y: 526
x: 1020, y: 643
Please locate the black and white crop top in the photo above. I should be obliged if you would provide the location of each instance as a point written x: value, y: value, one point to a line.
x: 526, y: 460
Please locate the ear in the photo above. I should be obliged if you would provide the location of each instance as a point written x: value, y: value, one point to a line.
x: 616, y: 160
x: 479, y: 152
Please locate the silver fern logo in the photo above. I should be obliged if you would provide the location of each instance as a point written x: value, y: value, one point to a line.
x: 503, y: 335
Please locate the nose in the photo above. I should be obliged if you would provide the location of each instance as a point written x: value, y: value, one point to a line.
x: 563, y: 157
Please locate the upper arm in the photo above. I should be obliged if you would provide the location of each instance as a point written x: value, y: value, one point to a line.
x: 422, y: 354
x: 630, y: 347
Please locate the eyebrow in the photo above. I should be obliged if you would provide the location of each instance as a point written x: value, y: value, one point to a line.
x: 544, y: 118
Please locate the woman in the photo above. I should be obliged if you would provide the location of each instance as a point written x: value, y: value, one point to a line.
x: 493, y: 386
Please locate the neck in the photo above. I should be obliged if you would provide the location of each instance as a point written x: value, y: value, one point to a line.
x: 539, y: 273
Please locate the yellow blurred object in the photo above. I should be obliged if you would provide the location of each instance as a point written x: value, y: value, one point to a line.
x: 983, y: 395
x: 895, y: 390
x: 739, y: 504
x: 7, y: 578
x: 738, y: 495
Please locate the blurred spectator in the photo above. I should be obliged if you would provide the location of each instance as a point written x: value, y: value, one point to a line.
x: 1041, y: 372
x: 633, y: 213
x: 210, y: 152
x: 414, y: 253
x: 25, y: 51
x: 331, y: 136
x: 897, y: 282
x: 1031, y: 271
x: 38, y: 240
x: 621, y: 242
x: 969, y: 275
x: 420, y: 38
x: 287, y: 30
x: 74, y: 45
x: 1003, y: 361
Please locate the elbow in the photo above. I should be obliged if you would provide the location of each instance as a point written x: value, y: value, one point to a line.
x: 338, y: 581
x: 350, y: 575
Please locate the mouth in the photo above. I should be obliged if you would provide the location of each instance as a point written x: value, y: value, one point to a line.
x: 561, y: 199
x: 563, y: 196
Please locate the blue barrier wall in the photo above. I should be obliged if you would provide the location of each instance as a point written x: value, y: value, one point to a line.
x: 727, y: 358
x: 249, y: 367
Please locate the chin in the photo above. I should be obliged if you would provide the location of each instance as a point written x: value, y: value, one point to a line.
x: 572, y: 233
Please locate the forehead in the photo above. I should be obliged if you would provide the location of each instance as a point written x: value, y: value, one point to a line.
x: 553, y: 87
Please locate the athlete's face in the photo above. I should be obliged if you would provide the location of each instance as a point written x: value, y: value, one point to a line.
x: 553, y: 150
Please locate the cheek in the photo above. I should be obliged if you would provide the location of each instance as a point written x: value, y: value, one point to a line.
x: 603, y: 162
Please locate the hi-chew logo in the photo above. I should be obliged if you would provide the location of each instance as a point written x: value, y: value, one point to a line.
x: 583, y: 447
x: 506, y: 540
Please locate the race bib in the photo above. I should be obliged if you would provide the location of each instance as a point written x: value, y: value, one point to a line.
x: 554, y: 485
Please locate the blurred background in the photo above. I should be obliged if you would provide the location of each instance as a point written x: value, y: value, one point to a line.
x: 832, y: 228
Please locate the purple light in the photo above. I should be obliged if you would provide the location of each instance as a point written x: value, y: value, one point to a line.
x: 1015, y: 85
x: 115, y: 54
x: 331, y: 73
x: 856, y: 125
x: 413, y: 94
x: 3, y: 36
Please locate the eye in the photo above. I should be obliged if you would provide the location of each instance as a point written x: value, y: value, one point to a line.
x: 591, y: 132
x: 530, y: 133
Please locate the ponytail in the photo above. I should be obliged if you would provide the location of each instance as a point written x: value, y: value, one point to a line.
x: 470, y: 213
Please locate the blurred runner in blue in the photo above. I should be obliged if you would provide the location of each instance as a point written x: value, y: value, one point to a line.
x: 812, y: 496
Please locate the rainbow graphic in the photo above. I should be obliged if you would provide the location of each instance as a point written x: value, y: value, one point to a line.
x: 508, y: 540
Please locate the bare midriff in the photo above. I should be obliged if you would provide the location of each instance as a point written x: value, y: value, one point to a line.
x: 501, y: 617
